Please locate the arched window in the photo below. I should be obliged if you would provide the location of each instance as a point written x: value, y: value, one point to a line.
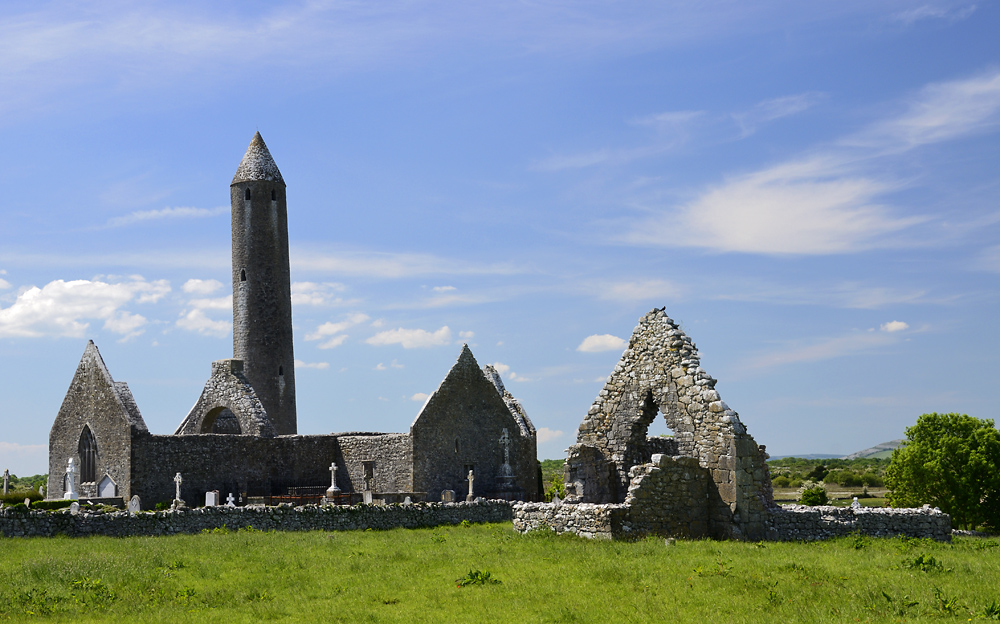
x: 243, y: 275
x: 247, y: 194
x: 88, y: 456
x: 281, y: 371
x: 274, y: 195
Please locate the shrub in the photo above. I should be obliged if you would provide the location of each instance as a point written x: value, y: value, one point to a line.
x: 813, y: 496
x: 781, y: 481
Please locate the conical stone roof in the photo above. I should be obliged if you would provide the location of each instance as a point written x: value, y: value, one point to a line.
x: 257, y: 164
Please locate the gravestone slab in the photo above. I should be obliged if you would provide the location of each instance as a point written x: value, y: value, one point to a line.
x: 211, y: 499
x: 366, y: 497
x: 74, y: 508
x: 134, y: 505
x: 448, y: 496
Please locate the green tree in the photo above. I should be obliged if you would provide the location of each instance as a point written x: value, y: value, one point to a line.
x: 951, y: 461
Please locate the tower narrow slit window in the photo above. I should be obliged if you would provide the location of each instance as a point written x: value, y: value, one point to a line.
x: 243, y: 275
x: 281, y: 371
x: 88, y: 456
x: 247, y: 194
x: 274, y: 195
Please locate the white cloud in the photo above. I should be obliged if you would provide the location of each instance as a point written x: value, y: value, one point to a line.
x: 894, y: 326
x: 141, y: 216
x: 503, y: 369
x: 825, y: 349
x: 776, y: 108
x: 466, y: 334
x: 643, y: 290
x: 4, y: 284
x: 197, y: 321
x: 381, y: 367
x: 412, y: 338
x: 216, y: 303
x: 62, y: 308
x: 316, y: 365
x: 545, y: 434
x: 443, y: 288
x: 331, y: 333
x: 201, y: 287
x: 843, y: 295
x: 601, y: 342
x: 420, y: 396
x: 928, y: 11
x: 390, y: 265
x: 313, y: 293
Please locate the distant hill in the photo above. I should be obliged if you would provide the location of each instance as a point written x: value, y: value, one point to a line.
x: 808, y: 456
x: 879, y: 451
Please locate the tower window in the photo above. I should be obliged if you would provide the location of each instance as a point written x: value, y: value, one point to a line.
x: 274, y: 195
x: 281, y: 371
x: 88, y: 456
x: 247, y: 194
x: 243, y: 275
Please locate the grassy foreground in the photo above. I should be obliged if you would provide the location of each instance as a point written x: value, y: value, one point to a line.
x: 413, y: 576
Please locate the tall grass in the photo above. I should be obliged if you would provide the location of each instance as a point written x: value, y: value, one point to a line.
x: 449, y: 574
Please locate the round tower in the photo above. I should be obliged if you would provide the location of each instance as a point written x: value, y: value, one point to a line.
x: 262, y: 300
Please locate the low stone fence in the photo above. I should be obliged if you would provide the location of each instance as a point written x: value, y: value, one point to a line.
x: 800, y: 522
x: 584, y: 519
x: 788, y: 523
x: 31, y: 523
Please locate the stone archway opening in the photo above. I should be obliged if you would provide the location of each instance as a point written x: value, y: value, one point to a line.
x: 221, y: 420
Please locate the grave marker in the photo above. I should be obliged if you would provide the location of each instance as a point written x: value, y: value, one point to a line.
x: 230, y: 501
x: 470, y: 497
x: 134, y: 505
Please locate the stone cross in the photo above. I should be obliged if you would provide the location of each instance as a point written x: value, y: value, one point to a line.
x: 70, y: 493
x: 855, y: 504
x: 41, y: 490
x: 230, y: 500
x: 472, y: 478
x: 505, y: 445
x: 6, y: 480
x: 333, y: 481
x: 178, y: 481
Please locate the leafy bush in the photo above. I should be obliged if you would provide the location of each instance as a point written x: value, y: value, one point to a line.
x: 813, y: 496
x: 781, y: 481
x: 52, y: 504
x: 18, y: 497
x: 475, y: 577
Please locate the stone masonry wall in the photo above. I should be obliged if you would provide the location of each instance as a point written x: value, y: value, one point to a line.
x: 227, y: 387
x: 241, y: 463
x: 670, y: 496
x: 14, y: 523
x: 584, y: 519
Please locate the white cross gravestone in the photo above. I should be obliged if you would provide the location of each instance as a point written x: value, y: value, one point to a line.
x: 333, y: 490
x: 177, y: 498
x: 470, y: 497
x: 134, y: 505
x: 855, y: 504
x: 211, y: 499
x: 230, y: 500
x: 6, y: 480
x: 41, y: 490
x: 70, y: 493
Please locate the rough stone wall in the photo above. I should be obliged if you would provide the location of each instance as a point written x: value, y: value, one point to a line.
x: 584, y: 519
x: 262, y: 303
x: 227, y: 388
x: 670, y: 496
x: 254, y: 465
x: 660, y: 373
x: 96, y: 401
x: 799, y: 522
x: 460, y: 425
x: 280, y: 518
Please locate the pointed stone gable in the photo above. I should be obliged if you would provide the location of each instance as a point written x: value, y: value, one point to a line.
x: 516, y: 409
x: 107, y: 409
x: 460, y: 426
x: 257, y: 164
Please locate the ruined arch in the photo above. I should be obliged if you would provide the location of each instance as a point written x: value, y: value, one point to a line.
x: 227, y: 390
x: 221, y: 419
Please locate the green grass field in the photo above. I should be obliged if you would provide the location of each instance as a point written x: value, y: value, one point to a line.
x: 413, y: 576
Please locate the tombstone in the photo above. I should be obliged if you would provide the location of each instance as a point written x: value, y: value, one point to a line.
x: 27, y: 502
x: 134, y: 505
x: 211, y: 499
x: 41, y: 490
x: 230, y: 501
x: 448, y: 496
x: 71, y: 471
x: 855, y: 504
x: 6, y: 480
x: 407, y: 501
x: 470, y: 497
x: 333, y: 490
x: 107, y: 488
x: 74, y: 508
x: 555, y: 498
x: 366, y: 497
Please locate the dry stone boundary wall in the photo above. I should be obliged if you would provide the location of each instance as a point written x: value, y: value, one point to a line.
x: 27, y: 523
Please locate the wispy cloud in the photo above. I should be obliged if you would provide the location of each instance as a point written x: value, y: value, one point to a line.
x: 842, y: 295
x: 318, y: 294
x: 829, y: 348
x: 412, y: 338
x: 390, y: 265
x: 931, y: 11
x: 826, y: 202
x: 144, y: 216
x: 201, y: 287
x: 776, y: 108
x: 546, y: 435
x: 299, y: 364
x: 332, y: 334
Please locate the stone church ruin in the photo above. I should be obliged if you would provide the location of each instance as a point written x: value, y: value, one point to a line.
x: 241, y: 435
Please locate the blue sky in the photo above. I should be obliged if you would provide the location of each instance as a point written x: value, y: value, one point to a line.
x: 809, y: 188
